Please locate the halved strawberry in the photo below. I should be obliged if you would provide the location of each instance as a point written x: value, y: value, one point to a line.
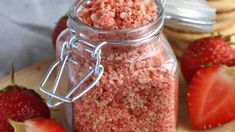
x: 211, y: 97
x: 37, y: 125
x: 206, y: 52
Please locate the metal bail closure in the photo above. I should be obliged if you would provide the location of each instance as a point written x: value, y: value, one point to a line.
x: 60, y: 64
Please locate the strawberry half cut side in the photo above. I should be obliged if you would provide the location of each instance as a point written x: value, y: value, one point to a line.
x: 211, y: 97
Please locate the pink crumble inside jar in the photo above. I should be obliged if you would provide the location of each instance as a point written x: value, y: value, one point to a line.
x: 126, y: 76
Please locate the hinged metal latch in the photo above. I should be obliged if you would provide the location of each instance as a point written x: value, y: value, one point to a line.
x: 60, y: 64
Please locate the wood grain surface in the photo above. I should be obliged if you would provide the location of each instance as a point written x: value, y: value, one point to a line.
x: 31, y: 77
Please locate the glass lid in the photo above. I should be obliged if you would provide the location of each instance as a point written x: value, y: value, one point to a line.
x: 193, y: 15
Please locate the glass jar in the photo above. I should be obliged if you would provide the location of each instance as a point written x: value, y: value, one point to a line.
x: 118, y: 80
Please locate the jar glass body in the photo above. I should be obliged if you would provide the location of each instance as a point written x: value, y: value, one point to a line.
x: 138, y: 90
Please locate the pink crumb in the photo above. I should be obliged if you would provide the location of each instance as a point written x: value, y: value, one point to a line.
x: 138, y: 90
x: 135, y: 93
x: 118, y: 14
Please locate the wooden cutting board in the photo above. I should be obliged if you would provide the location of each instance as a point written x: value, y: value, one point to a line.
x: 31, y: 77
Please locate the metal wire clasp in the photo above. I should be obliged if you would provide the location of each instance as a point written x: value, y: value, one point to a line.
x: 54, y: 99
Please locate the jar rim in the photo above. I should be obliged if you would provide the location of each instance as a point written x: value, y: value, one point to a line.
x: 78, y: 22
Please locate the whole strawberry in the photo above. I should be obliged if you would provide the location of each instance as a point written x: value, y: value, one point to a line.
x: 20, y: 104
x: 206, y: 52
x: 61, y: 25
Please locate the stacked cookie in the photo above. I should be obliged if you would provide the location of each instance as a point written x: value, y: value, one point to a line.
x: 225, y: 25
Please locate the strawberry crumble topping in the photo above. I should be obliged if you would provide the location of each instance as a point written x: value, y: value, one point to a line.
x: 137, y: 92
x: 118, y: 14
x: 138, y: 89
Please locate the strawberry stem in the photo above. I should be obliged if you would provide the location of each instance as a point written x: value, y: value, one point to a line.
x: 218, y: 34
x: 228, y: 38
x: 12, y: 75
x: 18, y: 126
x: 231, y: 71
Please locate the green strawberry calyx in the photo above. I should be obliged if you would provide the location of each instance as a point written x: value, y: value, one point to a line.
x: 18, y: 126
x: 231, y: 71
